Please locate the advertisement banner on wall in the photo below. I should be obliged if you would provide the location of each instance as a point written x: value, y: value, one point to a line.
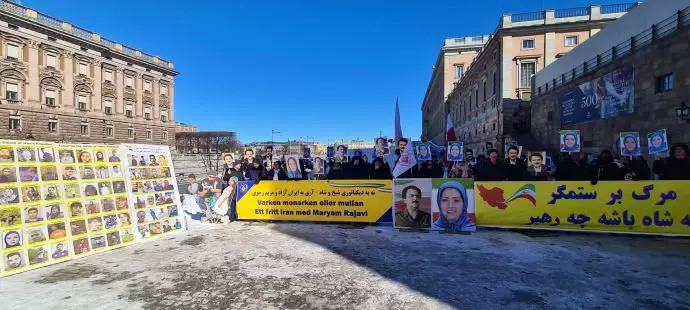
x: 652, y: 207
x: 316, y: 200
x: 607, y: 96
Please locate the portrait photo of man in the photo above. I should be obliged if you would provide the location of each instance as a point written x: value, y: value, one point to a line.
x: 413, y: 204
x: 340, y: 154
x: 381, y: 147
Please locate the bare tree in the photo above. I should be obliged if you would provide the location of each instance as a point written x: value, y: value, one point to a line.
x: 209, y: 145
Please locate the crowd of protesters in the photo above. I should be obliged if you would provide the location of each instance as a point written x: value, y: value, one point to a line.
x: 489, y: 167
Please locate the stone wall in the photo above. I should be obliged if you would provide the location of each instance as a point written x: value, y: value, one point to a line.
x: 653, y: 110
x: 34, y: 125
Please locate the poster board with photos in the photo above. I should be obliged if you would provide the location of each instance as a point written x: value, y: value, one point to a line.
x: 95, y: 196
x: 154, y: 198
x: 32, y: 218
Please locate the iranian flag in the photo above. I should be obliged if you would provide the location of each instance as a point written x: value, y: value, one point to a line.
x: 450, y: 132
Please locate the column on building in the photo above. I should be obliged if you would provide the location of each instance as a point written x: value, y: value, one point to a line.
x: 96, y: 96
x: 32, y: 88
x: 67, y: 64
x: 119, y: 77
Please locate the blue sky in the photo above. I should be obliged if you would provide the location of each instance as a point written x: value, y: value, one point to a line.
x: 321, y: 69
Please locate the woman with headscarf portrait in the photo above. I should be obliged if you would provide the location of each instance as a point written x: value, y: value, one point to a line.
x: 451, y: 199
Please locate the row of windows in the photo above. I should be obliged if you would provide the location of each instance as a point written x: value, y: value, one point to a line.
x: 571, y: 40
x: 468, y: 135
x: 15, y: 124
x: 51, y: 61
x: 12, y: 93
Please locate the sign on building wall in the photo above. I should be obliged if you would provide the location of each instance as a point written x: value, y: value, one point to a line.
x: 606, y: 96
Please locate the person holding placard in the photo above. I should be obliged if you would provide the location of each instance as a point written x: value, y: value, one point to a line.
x: 676, y: 167
x: 570, y: 141
x: 657, y: 142
x: 630, y: 144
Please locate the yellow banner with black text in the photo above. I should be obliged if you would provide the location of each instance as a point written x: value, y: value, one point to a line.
x: 316, y: 200
x: 653, y: 207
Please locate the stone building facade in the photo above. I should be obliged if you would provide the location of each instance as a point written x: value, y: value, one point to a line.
x: 60, y: 82
x: 490, y: 105
x: 454, y: 59
x: 662, y: 60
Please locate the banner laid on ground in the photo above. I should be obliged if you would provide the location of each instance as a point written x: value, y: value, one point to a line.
x: 315, y: 200
x: 61, y: 201
x: 656, y: 207
x: 438, y: 204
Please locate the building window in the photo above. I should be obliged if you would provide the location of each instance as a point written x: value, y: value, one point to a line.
x: 494, y: 126
x: 459, y: 71
x: 484, y: 91
x: 130, y: 133
x: 165, y: 136
x: 108, y: 107
x: 664, y: 83
x: 149, y: 134
x: 52, y: 126
x: 13, y: 51
x: 164, y: 115
x: 527, y: 70
x: 571, y: 40
x: 109, y: 131
x: 476, y: 98
x: 495, y: 80
x: 129, y: 81
x: 164, y: 90
x: 15, y: 123
x: 50, y: 61
x: 147, y: 86
x: 83, y: 69
x: 50, y: 97
x: 147, y: 112
x: 108, y: 76
x: 81, y: 101
x: 84, y: 129
x: 128, y: 110
x: 527, y: 44
x: 11, y: 91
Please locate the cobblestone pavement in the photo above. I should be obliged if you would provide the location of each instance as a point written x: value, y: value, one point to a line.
x: 324, y: 266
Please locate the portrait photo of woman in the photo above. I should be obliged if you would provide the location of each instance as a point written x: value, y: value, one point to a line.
x: 454, y: 151
x: 570, y: 141
x: 657, y: 142
x: 630, y: 143
x: 293, y: 168
x: 452, y: 202
x: 84, y: 157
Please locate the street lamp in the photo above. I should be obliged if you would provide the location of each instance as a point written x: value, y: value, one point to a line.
x: 683, y: 111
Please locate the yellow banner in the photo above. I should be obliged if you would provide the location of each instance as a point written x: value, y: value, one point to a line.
x: 656, y: 207
x: 317, y: 200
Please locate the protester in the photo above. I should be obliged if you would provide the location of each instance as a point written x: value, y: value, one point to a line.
x: 276, y: 173
x: 430, y: 169
x: 401, y: 145
x: 536, y: 171
x: 492, y: 169
x: 571, y: 167
x: 516, y: 169
x: 358, y: 171
x: 233, y: 170
x: 471, y: 161
x: 252, y: 166
x: 336, y: 172
x: 635, y: 169
x: 380, y: 170
x: 677, y: 166
x: 604, y: 169
x: 460, y: 169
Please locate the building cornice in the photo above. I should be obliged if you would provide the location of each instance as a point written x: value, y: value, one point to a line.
x: 31, y: 19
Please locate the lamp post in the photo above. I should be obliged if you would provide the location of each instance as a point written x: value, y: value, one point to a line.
x: 683, y: 112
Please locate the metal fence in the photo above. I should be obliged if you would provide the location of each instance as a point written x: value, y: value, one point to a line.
x: 617, y: 8
x: 582, y: 11
x: 525, y: 17
x: 627, y: 47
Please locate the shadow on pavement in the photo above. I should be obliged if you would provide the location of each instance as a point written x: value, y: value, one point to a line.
x: 495, y: 268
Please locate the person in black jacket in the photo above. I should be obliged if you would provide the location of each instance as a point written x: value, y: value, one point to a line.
x: 276, y: 173
x: 604, y: 169
x: 492, y: 169
x: 235, y: 171
x: 676, y: 167
x: 358, y: 171
x: 571, y: 168
x: 635, y: 169
x: 516, y: 168
x: 430, y: 169
x: 380, y: 170
x: 336, y: 172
